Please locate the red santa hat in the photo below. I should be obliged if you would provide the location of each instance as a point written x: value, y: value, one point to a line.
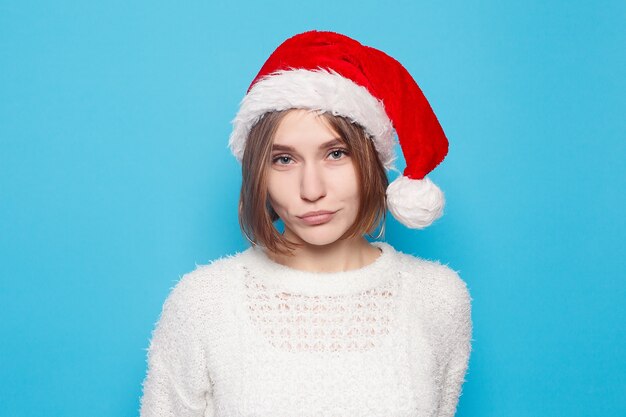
x: 333, y: 73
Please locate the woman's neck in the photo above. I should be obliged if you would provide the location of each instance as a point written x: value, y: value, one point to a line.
x: 342, y: 255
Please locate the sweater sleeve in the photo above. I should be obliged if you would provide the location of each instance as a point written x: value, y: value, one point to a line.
x: 177, y: 381
x: 459, y: 338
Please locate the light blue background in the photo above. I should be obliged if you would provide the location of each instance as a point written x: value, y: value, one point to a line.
x: 115, y: 179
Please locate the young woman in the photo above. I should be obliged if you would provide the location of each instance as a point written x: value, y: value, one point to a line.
x: 316, y: 320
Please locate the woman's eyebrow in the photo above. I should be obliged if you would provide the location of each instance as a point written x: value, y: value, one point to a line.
x: 277, y: 147
x: 331, y: 143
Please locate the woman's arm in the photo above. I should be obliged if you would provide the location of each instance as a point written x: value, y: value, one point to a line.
x: 459, y: 338
x: 177, y: 381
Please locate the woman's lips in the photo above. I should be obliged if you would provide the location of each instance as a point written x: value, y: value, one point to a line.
x: 315, y: 219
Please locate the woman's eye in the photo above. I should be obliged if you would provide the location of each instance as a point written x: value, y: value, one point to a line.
x: 282, y: 160
x: 337, y: 153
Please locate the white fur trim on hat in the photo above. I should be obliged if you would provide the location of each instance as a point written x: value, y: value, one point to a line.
x: 323, y: 90
x: 415, y: 203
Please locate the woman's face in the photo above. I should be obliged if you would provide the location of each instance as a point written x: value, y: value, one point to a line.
x: 311, y: 171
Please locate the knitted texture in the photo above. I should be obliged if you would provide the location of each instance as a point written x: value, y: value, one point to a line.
x: 245, y: 336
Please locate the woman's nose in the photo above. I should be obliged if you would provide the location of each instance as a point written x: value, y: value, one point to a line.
x: 312, y: 184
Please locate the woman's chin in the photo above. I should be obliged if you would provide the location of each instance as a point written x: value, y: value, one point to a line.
x: 321, y: 236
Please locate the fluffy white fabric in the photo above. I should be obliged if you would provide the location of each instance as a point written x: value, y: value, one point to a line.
x: 415, y: 203
x: 246, y: 336
x: 323, y: 90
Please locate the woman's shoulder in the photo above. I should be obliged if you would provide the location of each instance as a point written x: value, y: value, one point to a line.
x: 217, y: 267
x: 433, y: 280
x: 208, y: 282
x: 439, y: 294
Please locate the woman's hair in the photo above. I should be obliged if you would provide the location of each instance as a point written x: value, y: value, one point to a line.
x: 256, y: 215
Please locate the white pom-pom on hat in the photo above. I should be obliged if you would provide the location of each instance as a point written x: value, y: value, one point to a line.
x: 415, y: 203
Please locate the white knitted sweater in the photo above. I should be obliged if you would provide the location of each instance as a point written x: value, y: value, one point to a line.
x: 246, y: 336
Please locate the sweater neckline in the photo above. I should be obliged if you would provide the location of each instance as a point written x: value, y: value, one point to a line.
x: 296, y: 281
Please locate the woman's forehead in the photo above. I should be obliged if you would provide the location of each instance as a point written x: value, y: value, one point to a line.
x: 303, y: 128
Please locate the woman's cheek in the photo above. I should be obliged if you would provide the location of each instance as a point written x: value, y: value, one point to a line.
x: 347, y: 182
x: 280, y: 191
